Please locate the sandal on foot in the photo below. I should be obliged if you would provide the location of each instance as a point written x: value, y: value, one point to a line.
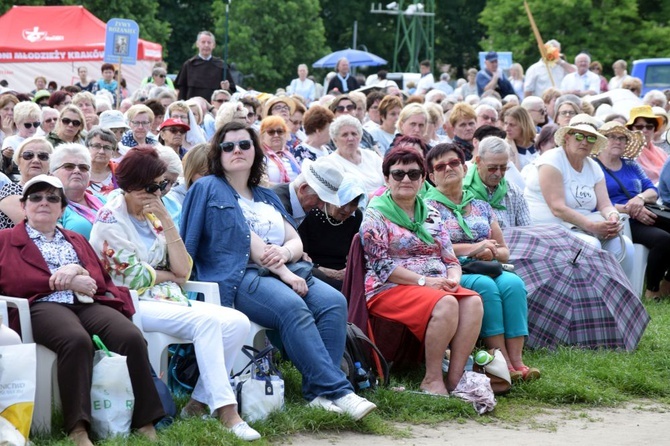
x: 529, y: 373
x: 515, y: 375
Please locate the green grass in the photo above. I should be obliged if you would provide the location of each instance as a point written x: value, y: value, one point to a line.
x: 571, y: 379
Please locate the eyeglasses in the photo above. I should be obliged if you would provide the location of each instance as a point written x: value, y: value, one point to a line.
x: 140, y: 123
x: 615, y: 138
x: 579, y: 137
x: 295, y: 122
x: 280, y: 107
x: 152, y: 188
x: 413, y: 174
x: 28, y: 125
x: 68, y: 121
x: 275, y: 132
x: 183, y: 118
x: 441, y: 167
x: 542, y: 111
x: 493, y: 169
x: 219, y: 101
x: 50, y: 120
x: 342, y: 108
x: 36, y: 198
x: 28, y: 155
x: 229, y: 146
x: 162, y: 76
x: 70, y: 167
x: 570, y: 113
x: 174, y: 130
x: 105, y: 147
x: 644, y: 126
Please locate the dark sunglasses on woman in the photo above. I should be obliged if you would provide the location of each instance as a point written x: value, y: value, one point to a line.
x: 229, y: 146
x: 152, y: 188
x: 36, y: 198
x: 28, y: 155
x: 413, y: 174
x: 68, y: 121
x: 28, y: 125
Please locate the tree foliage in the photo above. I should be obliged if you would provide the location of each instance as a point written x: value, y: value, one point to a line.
x: 268, y: 39
x: 607, y: 29
x: 187, y: 19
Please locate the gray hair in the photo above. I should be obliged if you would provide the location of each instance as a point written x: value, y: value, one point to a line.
x: 435, y: 94
x: 162, y: 93
x: 648, y: 98
x: 343, y: 121
x: 205, y: 33
x: 46, y: 145
x: 493, y: 102
x: 84, y: 96
x: 492, y: 145
x: 48, y: 110
x: 217, y: 92
x: 171, y: 159
x: 104, y: 134
x: 530, y: 101
x: 23, y: 111
x: 72, y: 148
x: 485, y: 107
x: 622, y: 63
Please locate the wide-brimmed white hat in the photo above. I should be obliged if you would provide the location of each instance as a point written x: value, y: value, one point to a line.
x: 42, y: 178
x: 582, y: 123
x: 324, y: 177
x: 113, y: 119
x: 635, y: 139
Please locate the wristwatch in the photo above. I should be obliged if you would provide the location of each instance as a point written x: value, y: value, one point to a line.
x: 421, y: 281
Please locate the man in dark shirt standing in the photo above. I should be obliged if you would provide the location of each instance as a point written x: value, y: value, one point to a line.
x: 343, y: 81
x: 202, y: 74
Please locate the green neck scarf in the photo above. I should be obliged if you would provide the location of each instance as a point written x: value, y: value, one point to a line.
x: 474, y: 184
x: 457, y: 209
x: 385, y: 204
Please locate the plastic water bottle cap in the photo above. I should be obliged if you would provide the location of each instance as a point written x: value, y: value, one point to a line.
x: 483, y: 357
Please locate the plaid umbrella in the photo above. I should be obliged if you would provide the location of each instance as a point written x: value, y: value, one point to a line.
x: 577, y: 294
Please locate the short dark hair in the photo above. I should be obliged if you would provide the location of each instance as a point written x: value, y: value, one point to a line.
x: 214, y: 156
x: 425, y: 63
x: 489, y: 130
x: 546, y: 134
x: 156, y: 107
x: 442, y: 149
x: 403, y: 140
x: 107, y: 66
x: 381, y: 74
x: 57, y: 98
x: 44, y: 187
x: 373, y: 97
x: 317, y: 118
x: 402, y: 155
x: 139, y: 167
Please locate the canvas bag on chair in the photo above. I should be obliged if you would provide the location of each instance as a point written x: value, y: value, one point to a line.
x: 259, y: 386
x: 18, y: 369
x: 112, y: 398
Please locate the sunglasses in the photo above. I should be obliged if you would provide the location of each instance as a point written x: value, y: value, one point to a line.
x: 173, y: 130
x: 152, y: 188
x: 441, y: 167
x: 541, y: 111
x: 50, y: 120
x: 162, y: 76
x: 31, y: 124
x: 36, y: 198
x: 493, y: 169
x: 413, y: 174
x: 105, y: 147
x: 28, y: 155
x: 229, y: 146
x: 70, y: 167
x: 68, y: 121
x: 219, y: 101
x: 275, y: 132
x: 579, y: 137
x: 644, y: 126
x: 342, y: 108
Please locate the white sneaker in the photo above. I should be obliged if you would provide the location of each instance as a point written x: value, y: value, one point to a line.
x: 355, y: 406
x: 245, y: 432
x: 324, y: 403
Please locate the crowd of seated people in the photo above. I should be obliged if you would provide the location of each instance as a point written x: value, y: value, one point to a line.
x: 250, y: 191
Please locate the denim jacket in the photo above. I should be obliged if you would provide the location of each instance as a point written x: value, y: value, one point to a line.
x: 216, y: 233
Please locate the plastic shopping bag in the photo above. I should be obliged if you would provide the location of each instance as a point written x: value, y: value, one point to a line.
x: 259, y: 391
x: 112, y: 398
x: 18, y: 370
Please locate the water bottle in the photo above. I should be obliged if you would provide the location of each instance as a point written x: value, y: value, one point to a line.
x: 483, y: 358
x: 361, y: 377
x: 468, y: 364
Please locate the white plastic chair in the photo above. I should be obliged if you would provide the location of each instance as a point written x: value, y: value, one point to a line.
x: 640, y: 262
x: 46, y: 389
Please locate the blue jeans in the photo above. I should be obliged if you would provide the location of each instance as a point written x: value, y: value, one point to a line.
x: 312, y: 329
x: 505, y: 304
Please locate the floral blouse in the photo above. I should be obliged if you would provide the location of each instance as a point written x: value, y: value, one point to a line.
x: 387, y: 246
x: 479, y: 220
x: 57, y: 253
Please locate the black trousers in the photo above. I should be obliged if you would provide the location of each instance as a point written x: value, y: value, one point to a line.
x: 657, y: 239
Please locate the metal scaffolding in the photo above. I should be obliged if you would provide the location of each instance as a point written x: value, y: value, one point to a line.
x: 415, y: 31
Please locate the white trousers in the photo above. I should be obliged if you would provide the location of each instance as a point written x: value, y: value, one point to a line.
x: 614, y: 246
x: 218, y: 334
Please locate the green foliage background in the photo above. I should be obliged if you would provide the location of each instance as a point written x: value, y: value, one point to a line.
x: 269, y: 38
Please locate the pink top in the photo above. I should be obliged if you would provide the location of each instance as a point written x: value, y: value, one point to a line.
x: 651, y: 160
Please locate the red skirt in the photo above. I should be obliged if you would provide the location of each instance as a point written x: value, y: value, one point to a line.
x: 411, y: 305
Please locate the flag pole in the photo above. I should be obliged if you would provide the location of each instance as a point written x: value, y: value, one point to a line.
x: 540, y: 43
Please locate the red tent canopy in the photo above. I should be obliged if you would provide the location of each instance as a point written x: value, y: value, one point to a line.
x: 58, y: 34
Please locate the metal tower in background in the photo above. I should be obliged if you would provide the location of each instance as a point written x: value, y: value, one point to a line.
x: 415, y: 31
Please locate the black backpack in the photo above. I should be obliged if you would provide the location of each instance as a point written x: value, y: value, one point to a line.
x: 373, y: 367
